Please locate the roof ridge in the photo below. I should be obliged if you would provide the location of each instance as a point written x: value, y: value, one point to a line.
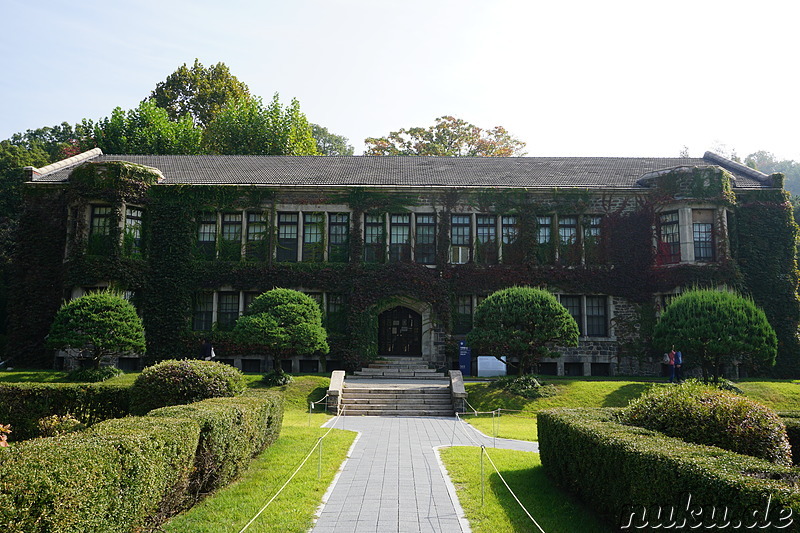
x: 70, y: 161
x: 728, y: 164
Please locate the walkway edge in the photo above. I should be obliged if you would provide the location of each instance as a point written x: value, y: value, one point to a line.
x: 451, y: 489
x: 328, y: 492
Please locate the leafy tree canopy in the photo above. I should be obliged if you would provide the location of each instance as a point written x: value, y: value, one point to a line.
x: 767, y: 163
x: 522, y: 322
x: 715, y: 328
x: 198, y: 91
x: 147, y: 129
x: 449, y: 136
x: 329, y: 143
x: 284, y: 322
x: 247, y: 127
x: 99, y: 325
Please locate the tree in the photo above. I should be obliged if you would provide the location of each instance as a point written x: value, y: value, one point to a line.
x: 198, y: 91
x: 98, y: 326
x: 147, y: 129
x: 717, y: 328
x: 448, y: 137
x: 285, y: 323
x: 522, y: 322
x: 767, y: 163
x: 329, y: 143
x: 247, y: 127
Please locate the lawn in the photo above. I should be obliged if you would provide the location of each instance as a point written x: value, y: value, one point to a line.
x: 497, y: 511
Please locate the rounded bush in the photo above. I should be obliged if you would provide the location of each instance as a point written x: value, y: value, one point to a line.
x: 54, y: 425
x: 705, y: 415
x: 94, y: 375
x: 175, y: 382
x: 276, y: 379
x: 527, y: 386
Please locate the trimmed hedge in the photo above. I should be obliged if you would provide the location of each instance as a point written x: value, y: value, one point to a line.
x: 619, y: 470
x: 108, y: 479
x: 232, y: 431
x: 792, y: 421
x: 175, y: 382
x: 23, y: 404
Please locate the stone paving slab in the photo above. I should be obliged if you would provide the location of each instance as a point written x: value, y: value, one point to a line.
x: 393, y: 480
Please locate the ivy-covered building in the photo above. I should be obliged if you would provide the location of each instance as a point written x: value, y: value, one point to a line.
x: 399, y: 251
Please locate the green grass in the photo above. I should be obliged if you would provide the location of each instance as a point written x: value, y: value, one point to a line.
x: 231, y: 508
x: 32, y: 376
x: 779, y: 395
x: 554, y: 510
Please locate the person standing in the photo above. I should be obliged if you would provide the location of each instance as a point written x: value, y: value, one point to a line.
x: 678, y: 360
x: 671, y: 363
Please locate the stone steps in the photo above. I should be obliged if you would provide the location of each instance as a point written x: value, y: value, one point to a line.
x: 399, y: 368
x: 398, y: 400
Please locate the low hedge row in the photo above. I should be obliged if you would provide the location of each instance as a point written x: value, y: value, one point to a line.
x: 792, y: 421
x: 132, y: 473
x: 232, y: 431
x: 23, y: 404
x: 627, y: 474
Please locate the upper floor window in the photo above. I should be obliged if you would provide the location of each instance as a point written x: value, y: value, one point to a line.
x: 703, y: 234
x: 132, y: 238
x: 231, y: 244
x: 338, y: 237
x: 256, y: 248
x: 207, y: 235
x: 486, y: 239
x: 374, y: 239
x: 203, y: 317
x: 228, y: 310
x: 669, y: 239
x: 335, y: 315
x: 425, y: 239
x: 400, y: 237
x: 100, y: 230
x: 462, y: 318
x: 460, y: 238
x: 512, y: 252
x: 287, y: 237
x: 313, y: 229
x: 591, y: 238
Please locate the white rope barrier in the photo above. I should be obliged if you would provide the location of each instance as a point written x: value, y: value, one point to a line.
x: 483, y: 451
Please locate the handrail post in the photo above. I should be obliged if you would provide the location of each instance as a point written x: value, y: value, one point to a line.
x: 335, y: 391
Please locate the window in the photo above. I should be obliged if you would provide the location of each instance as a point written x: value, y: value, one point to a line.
x: 374, y: 243
x: 596, y: 316
x: 203, y: 311
x: 569, y: 253
x: 425, y: 242
x: 543, y: 234
x: 399, y: 238
x: 512, y: 252
x: 335, y: 316
x: 591, y: 238
x: 249, y: 297
x: 207, y: 235
x: 228, y: 310
x: 486, y: 239
x: 313, y: 228
x: 669, y: 240
x: 338, y: 237
x: 317, y: 297
x: 544, y: 249
x: 256, y: 236
x: 100, y: 230
x: 230, y: 248
x: 460, y: 238
x: 462, y: 318
x: 703, y: 234
x: 287, y: 237
x: 573, y: 305
x: 132, y: 239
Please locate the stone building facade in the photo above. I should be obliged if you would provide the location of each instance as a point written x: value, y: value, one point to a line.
x: 398, y: 251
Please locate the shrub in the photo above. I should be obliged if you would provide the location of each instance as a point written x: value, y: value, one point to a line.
x: 526, y: 386
x: 705, y: 415
x: 94, y: 375
x: 23, y: 404
x: 792, y: 421
x: 98, y: 325
x: 276, y: 378
x: 232, y: 431
x: 175, y: 382
x: 108, y: 479
x: 54, y: 425
x: 619, y: 469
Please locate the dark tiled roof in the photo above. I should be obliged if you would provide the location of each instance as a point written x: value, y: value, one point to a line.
x: 589, y: 172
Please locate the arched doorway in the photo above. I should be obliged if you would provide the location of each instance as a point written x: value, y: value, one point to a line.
x: 400, y: 332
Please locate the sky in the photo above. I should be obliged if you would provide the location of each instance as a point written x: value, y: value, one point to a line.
x: 569, y: 78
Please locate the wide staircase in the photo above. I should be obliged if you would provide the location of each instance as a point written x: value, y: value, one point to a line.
x: 397, y: 387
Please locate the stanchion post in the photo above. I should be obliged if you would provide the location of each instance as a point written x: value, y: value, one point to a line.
x: 483, y: 449
x: 319, y: 466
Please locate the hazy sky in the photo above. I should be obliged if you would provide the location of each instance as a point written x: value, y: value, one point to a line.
x: 613, y: 78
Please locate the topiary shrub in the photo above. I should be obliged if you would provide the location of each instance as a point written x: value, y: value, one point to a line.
x: 276, y: 378
x: 527, y: 386
x: 175, y: 382
x: 94, y: 375
x: 704, y: 415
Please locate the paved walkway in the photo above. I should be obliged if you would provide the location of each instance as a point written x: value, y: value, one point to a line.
x: 393, y: 480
